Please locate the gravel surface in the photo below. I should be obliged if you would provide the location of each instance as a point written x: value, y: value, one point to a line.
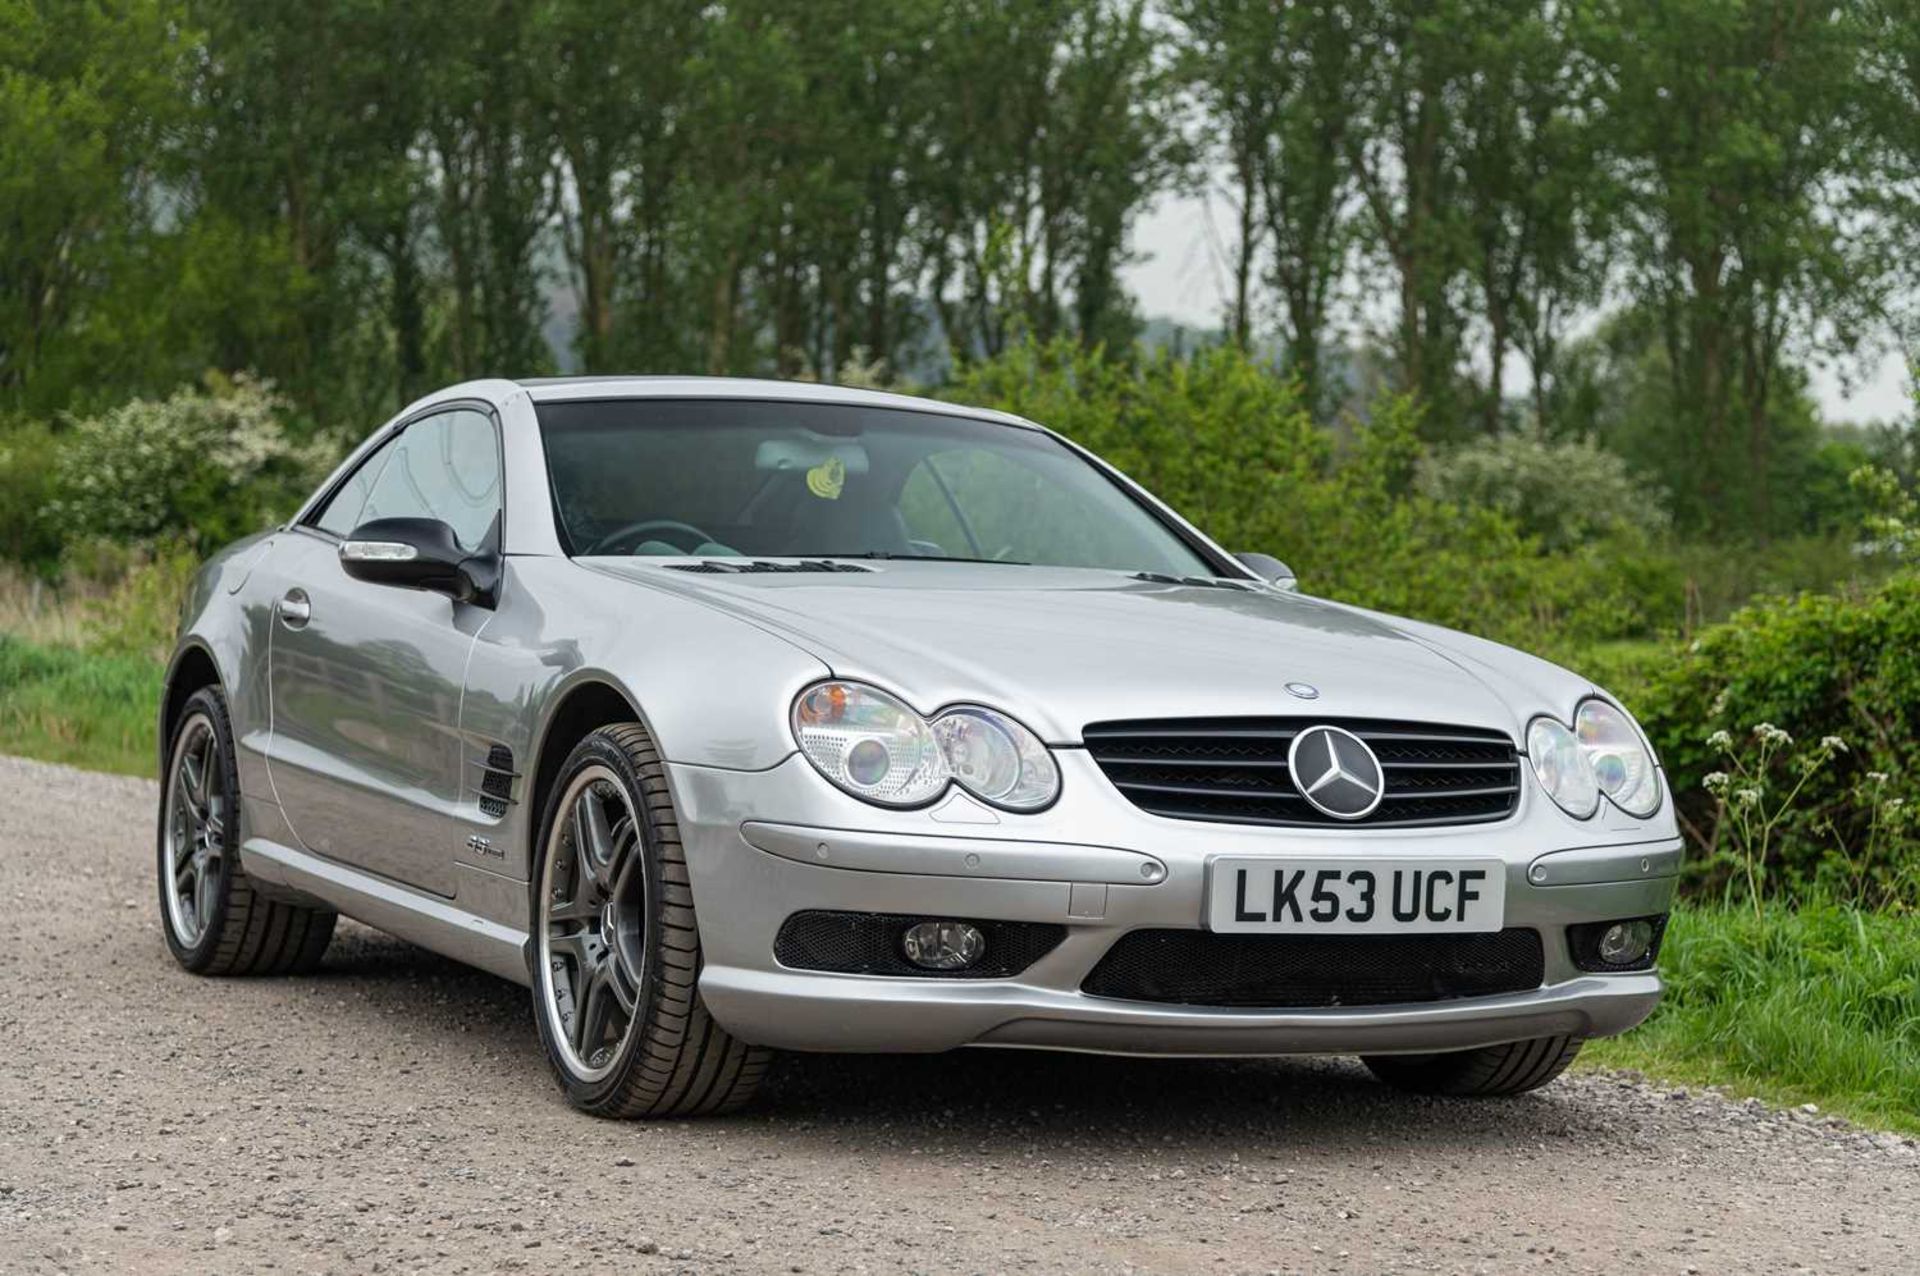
x: 394, y: 1113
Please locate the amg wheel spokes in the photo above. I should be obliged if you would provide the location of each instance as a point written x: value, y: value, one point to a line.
x: 196, y: 833
x: 594, y: 901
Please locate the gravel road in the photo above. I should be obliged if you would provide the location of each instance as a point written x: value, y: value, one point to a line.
x: 393, y: 1113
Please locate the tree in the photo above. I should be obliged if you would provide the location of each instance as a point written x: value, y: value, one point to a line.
x: 615, y: 97
x: 89, y: 115
x: 1745, y: 152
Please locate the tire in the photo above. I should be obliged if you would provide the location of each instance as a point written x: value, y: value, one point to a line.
x: 215, y: 921
x: 613, y: 935
x: 1513, y: 1068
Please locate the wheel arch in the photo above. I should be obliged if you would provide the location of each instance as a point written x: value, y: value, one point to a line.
x: 587, y: 703
x: 192, y: 668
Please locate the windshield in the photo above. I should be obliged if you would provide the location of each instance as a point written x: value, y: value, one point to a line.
x: 727, y: 477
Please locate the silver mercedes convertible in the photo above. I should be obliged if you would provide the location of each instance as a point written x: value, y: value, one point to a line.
x: 740, y: 716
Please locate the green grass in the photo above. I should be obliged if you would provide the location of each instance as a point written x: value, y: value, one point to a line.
x: 1815, y: 1005
x: 61, y: 704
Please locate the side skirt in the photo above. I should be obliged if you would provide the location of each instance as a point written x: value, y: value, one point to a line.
x: 422, y: 919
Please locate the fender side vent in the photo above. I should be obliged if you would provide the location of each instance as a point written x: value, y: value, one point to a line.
x: 496, y: 781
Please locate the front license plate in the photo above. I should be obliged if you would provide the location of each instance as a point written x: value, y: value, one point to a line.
x: 1356, y: 897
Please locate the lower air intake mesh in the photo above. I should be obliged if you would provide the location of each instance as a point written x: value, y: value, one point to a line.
x: 1201, y: 968
x: 869, y: 944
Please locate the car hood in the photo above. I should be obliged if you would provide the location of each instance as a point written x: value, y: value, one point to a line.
x: 1063, y: 647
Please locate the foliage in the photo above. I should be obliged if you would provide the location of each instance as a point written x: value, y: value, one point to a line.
x: 26, y: 485
x: 1564, y: 493
x: 1232, y: 446
x: 209, y: 465
x: 1810, y: 668
x: 80, y: 707
x: 1426, y: 197
x: 139, y: 614
x: 88, y: 98
x: 1817, y: 1004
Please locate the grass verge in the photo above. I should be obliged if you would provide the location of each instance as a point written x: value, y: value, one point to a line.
x: 1819, y: 1004
x: 87, y: 709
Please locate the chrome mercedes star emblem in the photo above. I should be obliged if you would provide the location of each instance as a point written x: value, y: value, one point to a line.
x: 1336, y: 772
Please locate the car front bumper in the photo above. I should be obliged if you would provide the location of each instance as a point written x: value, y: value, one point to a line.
x: 764, y: 845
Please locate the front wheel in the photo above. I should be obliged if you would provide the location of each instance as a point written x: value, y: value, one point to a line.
x: 616, y: 952
x: 1512, y: 1068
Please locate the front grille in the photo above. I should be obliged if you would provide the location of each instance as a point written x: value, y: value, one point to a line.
x: 1234, y: 770
x: 869, y: 944
x: 1201, y: 968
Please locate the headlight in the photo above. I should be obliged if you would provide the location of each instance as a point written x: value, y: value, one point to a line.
x: 869, y: 744
x: 996, y: 759
x: 1562, y: 768
x: 878, y: 749
x: 1621, y: 764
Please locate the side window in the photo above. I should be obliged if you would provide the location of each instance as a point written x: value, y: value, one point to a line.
x: 341, y: 514
x: 445, y: 467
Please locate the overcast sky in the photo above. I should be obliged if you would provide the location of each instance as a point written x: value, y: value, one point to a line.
x: 1181, y: 278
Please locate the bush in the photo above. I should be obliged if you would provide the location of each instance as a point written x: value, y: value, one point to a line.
x: 1229, y: 444
x: 1757, y: 699
x: 206, y: 465
x: 26, y: 485
x: 140, y: 613
x: 1565, y: 494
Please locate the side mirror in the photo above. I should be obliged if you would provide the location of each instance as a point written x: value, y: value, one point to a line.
x: 1269, y: 569
x: 422, y: 553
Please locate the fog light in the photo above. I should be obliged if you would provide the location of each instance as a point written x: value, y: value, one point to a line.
x: 943, y: 945
x: 1625, y: 943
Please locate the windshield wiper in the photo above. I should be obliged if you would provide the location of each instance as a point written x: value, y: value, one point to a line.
x: 923, y: 558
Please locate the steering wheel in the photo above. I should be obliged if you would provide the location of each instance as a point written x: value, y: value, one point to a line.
x: 650, y: 528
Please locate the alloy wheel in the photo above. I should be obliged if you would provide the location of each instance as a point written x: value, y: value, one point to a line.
x: 197, y: 804
x: 592, y: 931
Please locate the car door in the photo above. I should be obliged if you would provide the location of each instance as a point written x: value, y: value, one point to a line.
x: 364, y: 748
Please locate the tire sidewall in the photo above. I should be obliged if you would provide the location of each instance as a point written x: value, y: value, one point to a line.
x: 598, y: 750
x: 210, y: 704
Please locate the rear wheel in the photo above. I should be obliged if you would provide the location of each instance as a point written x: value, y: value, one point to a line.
x: 616, y: 951
x: 1512, y: 1068
x: 216, y: 923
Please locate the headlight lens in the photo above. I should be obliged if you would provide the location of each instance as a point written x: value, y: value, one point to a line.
x: 877, y: 748
x: 1622, y: 767
x: 1561, y: 766
x: 869, y: 744
x: 996, y: 759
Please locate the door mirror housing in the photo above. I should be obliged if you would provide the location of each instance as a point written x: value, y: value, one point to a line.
x: 1269, y: 569
x: 423, y: 553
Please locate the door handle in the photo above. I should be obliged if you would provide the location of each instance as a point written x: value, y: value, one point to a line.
x: 294, y: 609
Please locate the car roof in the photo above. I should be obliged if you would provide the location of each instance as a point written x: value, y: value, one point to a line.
x: 562, y: 389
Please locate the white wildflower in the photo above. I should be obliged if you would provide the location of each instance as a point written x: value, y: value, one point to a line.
x: 1748, y: 797
x: 1767, y: 733
x: 1721, y: 740
x: 1833, y: 744
x: 1716, y: 782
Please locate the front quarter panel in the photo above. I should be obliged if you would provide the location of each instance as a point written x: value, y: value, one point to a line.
x: 225, y: 617
x: 713, y: 691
